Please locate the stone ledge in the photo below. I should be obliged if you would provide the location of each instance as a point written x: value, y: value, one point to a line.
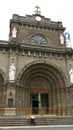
x: 9, y: 111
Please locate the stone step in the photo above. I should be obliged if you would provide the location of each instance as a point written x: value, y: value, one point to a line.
x: 39, y: 120
x: 12, y: 121
x: 55, y: 121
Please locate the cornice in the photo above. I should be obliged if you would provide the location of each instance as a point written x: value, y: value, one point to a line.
x: 30, y: 20
x: 22, y: 46
x: 38, y: 24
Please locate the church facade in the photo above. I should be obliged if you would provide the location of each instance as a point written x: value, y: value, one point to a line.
x: 35, y: 64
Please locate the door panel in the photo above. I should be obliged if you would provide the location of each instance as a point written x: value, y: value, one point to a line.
x: 43, y: 101
x: 34, y: 103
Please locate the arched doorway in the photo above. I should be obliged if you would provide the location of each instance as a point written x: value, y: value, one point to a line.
x: 2, y: 91
x: 42, y: 87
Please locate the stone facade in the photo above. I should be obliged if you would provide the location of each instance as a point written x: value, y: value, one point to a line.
x: 42, y: 83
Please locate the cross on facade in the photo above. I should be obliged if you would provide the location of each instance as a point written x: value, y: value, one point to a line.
x: 37, y: 9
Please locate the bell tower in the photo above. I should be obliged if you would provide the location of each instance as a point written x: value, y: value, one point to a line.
x: 36, y: 27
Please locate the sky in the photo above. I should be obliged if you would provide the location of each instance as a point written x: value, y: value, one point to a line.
x: 56, y: 10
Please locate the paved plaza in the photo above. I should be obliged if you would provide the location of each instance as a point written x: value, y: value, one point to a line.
x: 39, y: 128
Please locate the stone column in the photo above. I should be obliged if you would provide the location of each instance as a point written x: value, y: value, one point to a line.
x: 39, y: 103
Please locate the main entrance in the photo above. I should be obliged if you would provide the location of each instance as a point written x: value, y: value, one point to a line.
x: 43, y: 89
x: 39, y: 101
x: 34, y: 103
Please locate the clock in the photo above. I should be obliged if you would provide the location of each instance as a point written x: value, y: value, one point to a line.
x: 38, y: 18
x: 39, y: 40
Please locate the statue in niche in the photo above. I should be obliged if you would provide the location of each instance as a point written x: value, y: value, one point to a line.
x: 14, y: 32
x: 61, y: 39
x: 71, y: 75
x: 12, y: 72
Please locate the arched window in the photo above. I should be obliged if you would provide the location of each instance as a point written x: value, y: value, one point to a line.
x: 38, y: 40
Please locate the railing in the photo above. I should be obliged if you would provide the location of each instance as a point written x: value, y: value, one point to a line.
x: 36, y: 111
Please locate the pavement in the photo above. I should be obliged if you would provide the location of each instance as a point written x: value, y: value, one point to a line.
x: 55, y: 127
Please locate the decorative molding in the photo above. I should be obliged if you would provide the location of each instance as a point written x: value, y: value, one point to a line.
x: 39, y: 62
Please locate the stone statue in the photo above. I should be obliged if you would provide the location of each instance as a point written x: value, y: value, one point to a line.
x: 71, y: 75
x: 61, y: 39
x: 12, y: 72
x: 14, y: 32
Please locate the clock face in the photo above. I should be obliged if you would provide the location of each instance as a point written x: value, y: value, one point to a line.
x: 39, y: 40
x: 38, y: 18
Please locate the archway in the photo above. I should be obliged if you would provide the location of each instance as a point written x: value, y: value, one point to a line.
x: 1, y: 90
x: 1, y: 79
x: 42, y: 85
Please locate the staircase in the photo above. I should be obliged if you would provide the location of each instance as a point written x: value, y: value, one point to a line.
x: 55, y: 120
x: 13, y: 121
x: 39, y: 120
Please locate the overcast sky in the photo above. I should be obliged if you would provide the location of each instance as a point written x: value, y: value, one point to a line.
x: 57, y: 10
